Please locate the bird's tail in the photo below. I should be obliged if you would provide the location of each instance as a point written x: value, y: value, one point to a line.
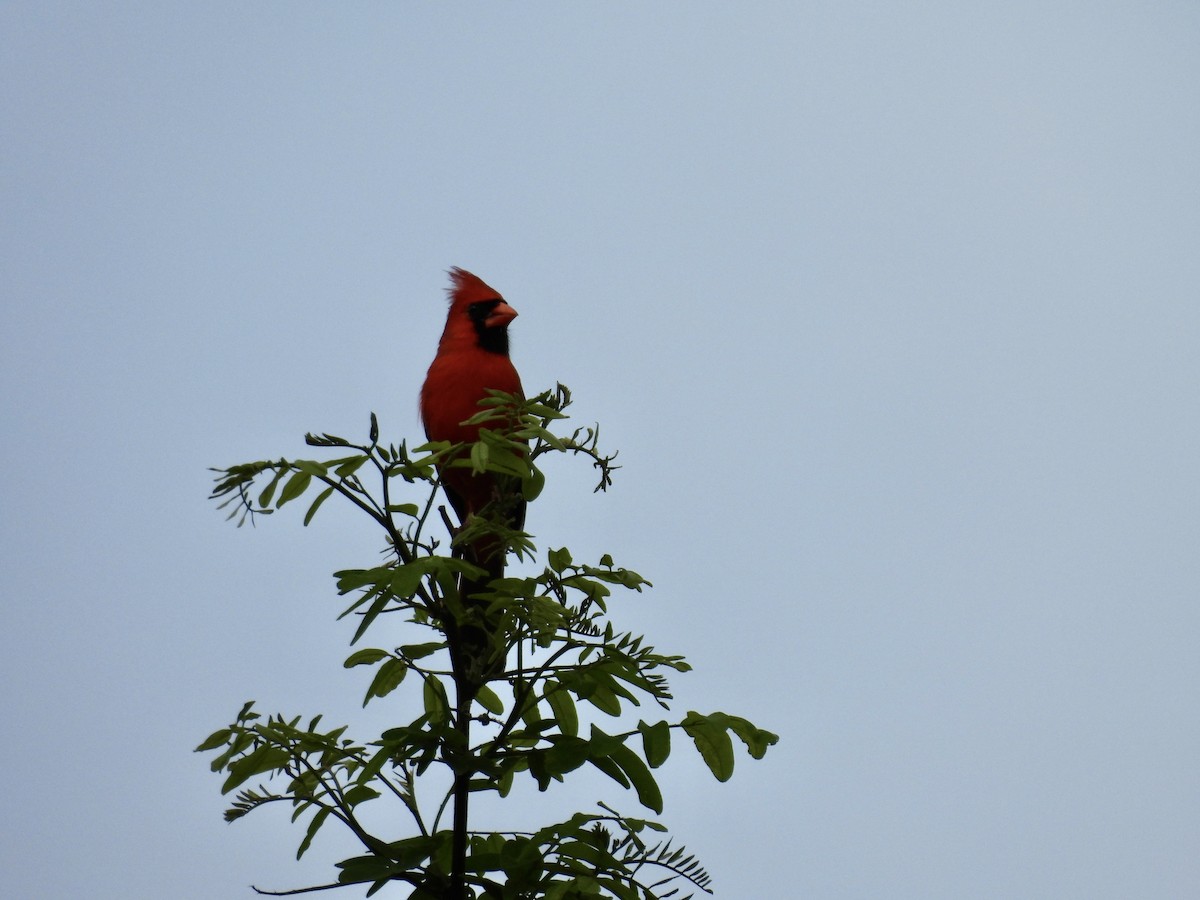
x: 478, y: 646
x: 477, y: 650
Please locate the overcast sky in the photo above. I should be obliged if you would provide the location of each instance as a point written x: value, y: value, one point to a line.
x: 892, y: 311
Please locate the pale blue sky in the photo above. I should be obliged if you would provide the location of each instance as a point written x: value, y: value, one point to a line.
x: 891, y: 310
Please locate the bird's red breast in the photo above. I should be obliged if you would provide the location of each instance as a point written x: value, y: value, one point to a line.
x: 472, y: 357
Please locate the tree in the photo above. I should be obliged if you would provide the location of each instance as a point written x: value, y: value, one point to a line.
x: 551, y: 647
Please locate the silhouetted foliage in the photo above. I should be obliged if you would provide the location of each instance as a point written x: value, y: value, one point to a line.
x: 550, y: 647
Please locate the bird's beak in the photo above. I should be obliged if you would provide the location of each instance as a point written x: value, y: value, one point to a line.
x: 500, y: 316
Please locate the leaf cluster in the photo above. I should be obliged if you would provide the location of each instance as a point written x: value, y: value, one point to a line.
x: 560, y: 667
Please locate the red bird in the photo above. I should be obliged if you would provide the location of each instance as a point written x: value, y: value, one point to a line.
x: 472, y: 357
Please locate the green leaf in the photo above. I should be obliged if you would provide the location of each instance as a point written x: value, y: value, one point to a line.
x: 442, y: 848
x: 265, y: 759
x: 325, y: 440
x: 360, y: 793
x: 489, y: 700
x: 314, y: 826
x: 348, y: 466
x: 434, y: 694
x: 412, y: 852
x: 367, y: 657
x: 566, y: 754
x: 531, y: 715
x: 643, y: 782
x: 603, y: 699
x: 217, y: 739
x: 351, y: 579
x: 295, y: 486
x: 757, y: 740
x: 479, y: 457
x: 521, y: 859
x: 558, y: 559
x: 387, y: 679
x: 379, y: 601
x: 406, y: 579
x: 361, y: 869
x: 310, y: 466
x: 374, y: 766
x: 246, y: 714
x: 504, y: 783
x: 400, y: 583
x: 606, y: 765
x: 420, y: 651
x: 563, y: 708
x: 316, y: 504
x: 264, y: 499
x: 532, y: 485
x: 656, y: 742
x: 712, y: 740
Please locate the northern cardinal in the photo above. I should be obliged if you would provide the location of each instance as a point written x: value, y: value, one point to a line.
x: 472, y: 357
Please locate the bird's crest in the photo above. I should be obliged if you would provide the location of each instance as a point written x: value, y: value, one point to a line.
x: 466, y: 288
